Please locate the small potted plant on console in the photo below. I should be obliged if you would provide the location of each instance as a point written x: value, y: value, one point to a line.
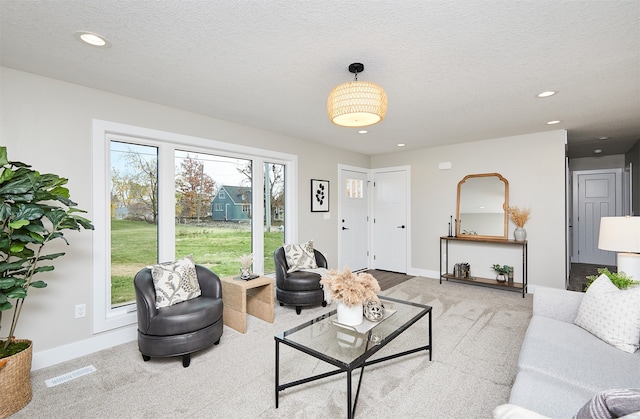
x: 503, y: 272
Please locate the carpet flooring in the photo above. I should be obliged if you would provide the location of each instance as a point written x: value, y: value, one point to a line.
x: 477, y: 334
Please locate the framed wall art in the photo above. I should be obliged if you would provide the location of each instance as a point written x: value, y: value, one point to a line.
x: 319, y: 195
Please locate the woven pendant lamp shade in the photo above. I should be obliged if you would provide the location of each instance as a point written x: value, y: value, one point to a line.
x: 357, y: 103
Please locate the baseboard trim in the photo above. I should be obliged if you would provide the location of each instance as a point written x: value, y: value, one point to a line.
x: 53, y: 356
x: 424, y: 273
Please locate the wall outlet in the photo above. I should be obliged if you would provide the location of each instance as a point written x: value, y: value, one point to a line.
x: 81, y: 310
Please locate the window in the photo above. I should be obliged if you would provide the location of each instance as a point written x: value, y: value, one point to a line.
x: 161, y: 196
x: 134, y: 211
x: 274, y: 204
x: 214, y: 239
x: 354, y: 189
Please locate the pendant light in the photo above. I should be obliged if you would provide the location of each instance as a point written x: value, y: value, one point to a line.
x: 357, y: 103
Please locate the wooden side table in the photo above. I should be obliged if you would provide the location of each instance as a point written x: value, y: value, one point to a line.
x: 241, y: 297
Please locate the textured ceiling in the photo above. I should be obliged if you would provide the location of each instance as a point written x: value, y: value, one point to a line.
x: 454, y: 71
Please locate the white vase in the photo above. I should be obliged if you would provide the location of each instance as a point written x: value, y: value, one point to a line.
x: 520, y: 234
x: 351, y: 316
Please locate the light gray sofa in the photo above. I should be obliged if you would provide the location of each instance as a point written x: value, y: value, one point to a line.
x: 562, y: 366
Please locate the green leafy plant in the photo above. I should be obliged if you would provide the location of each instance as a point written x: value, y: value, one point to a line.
x: 35, y: 209
x: 503, y: 270
x: 619, y: 279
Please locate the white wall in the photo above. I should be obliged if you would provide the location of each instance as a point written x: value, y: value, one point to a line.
x: 47, y: 123
x: 534, y: 165
x: 595, y: 163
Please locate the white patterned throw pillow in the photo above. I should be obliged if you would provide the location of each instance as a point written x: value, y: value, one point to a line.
x: 611, y: 314
x: 175, y: 282
x: 300, y: 256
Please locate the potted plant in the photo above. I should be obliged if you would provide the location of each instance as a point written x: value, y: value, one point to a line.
x: 619, y: 279
x: 35, y: 209
x: 503, y: 272
x: 351, y: 291
x: 519, y: 217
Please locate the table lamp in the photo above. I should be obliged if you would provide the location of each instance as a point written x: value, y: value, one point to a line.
x: 622, y: 235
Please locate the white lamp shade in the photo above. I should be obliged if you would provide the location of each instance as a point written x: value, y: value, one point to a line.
x: 357, y: 104
x: 620, y: 234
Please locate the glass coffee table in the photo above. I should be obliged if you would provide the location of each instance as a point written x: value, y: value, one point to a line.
x: 349, y: 348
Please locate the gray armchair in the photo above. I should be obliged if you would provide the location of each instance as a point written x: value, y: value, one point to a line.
x: 298, y: 288
x: 183, y: 328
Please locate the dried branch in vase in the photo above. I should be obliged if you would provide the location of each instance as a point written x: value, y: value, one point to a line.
x: 519, y: 216
x: 246, y: 261
x: 350, y: 288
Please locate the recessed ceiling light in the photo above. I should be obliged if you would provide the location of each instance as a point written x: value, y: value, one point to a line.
x: 92, y: 39
x: 553, y: 122
x: 362, y: 131
x: 401, y: 144
x: 604, y: 138
x: 546, y: 94
x: 597, y: 150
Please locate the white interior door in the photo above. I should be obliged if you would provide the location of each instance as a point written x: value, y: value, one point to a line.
x: 353, y: 235
x: 597, y: 195
x: 390, y: 216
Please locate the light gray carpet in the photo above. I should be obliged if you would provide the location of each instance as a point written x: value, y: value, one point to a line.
x: 477, y: 333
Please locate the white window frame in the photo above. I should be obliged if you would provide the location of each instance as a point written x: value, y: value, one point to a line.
x: 104, y: 316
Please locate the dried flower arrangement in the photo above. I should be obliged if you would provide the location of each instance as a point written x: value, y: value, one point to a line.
x: 519, y: 216
x: 352, y: 289
x: 246, y: 261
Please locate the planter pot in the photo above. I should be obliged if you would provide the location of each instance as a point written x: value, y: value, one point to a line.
x: 351, y: 316
x: 245, y: 273
x: 15, y: 381
x: 501, y: 277
x: 520, y: 234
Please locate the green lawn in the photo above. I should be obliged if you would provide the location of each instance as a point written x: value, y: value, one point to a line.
x: 134, y: 245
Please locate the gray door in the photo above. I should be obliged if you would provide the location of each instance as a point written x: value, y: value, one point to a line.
x: 598, y: 195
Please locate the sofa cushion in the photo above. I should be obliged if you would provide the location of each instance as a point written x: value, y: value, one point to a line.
x: 511, y: 411
x: 175, y: 282
x: 557, y: 303
x: 614, y: 403
x: 547, y: 396
x: 300, y: 256
x: 611, y: 314
x: 569, y: 353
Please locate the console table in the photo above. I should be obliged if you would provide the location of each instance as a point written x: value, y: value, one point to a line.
x: 486, y: 282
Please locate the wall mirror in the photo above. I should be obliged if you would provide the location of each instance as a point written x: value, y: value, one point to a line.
x: 483, y: 200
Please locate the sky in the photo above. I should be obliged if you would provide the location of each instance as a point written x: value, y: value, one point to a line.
x: 221, y: 169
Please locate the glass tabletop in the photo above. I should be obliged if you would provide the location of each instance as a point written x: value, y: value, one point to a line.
x: 325, y: 338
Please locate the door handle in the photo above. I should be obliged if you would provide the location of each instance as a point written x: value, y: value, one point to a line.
x: 345, y: 228
x: 402, y: 226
